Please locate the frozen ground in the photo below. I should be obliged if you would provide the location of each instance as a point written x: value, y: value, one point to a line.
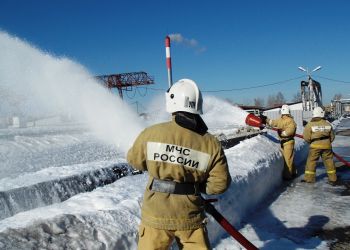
x: 270, y: 214
x: 273, y: 216
x: 32, y: 149
x: 108, y: 216
x: 297, y: 215
x: 67, y: 186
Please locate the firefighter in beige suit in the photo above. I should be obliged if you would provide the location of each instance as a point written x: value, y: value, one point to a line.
x: 320, y: 135
x: 182, y: 160
x: 286, y: 132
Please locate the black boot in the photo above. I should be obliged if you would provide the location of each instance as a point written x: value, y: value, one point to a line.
x: 310, y: 182
x: 335, y: 183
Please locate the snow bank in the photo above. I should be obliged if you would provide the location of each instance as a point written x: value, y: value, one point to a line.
x: 53, y: 185
x: 108, y: 217
x: 256, y: 167
x: 104, y: 219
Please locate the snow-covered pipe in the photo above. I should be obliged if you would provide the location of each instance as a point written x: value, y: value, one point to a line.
x: 168, y: 60
x: 54, y: 191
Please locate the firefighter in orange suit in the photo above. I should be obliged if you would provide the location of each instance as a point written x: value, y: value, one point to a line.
x: 182, y: 160
x: 320, y: 135
x: 286, y: 132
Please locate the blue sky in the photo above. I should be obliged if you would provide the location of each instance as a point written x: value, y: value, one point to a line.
x: 235, y: 44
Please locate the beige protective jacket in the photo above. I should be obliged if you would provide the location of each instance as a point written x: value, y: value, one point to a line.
x: 170, y: 152
x: 286, y: 126
x: 319, y: 133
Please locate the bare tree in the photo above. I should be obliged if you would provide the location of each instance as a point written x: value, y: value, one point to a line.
x: 259, y: 102
x: 271, y: 101
x: 276, y: 100
x: 337, y: 96
x: 297, y: 97
x: 280, y: 99
x: 247, y: 101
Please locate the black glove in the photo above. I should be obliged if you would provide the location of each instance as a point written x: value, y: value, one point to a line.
x: 263, y: 119
x: 304, y: 123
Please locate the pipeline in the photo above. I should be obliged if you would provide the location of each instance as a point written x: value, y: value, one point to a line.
x: 255, y: 121
x: 210, y: 209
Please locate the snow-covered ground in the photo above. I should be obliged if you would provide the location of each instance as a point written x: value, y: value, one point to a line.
x: 295, y: 215
x: 97, y: 219
x: 272, y: 216
x: 67, y: 185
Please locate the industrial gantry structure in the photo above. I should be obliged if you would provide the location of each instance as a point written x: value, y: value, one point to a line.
x: 311, y: 93
x: 125, y: 81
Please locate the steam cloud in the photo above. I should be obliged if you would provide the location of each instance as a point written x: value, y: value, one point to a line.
x: 189, y: 42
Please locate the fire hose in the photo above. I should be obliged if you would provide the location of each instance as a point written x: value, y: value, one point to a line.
x: 341, y: 159
x: 255, y: 121
x: 210, y: 209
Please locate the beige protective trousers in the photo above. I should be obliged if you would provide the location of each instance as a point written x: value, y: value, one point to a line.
x: 289, y: 170
x: 327, y: 157
x: 152, y: 238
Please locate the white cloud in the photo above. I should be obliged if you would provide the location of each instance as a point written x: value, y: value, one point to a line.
x: 189, y: 42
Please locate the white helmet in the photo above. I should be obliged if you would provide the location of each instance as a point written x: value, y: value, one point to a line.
x: 184, y: 95
x: 285, y: 110
x: 318, y: 112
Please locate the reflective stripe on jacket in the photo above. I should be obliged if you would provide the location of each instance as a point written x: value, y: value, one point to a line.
x: 170, y: 152
x: 319, y: 133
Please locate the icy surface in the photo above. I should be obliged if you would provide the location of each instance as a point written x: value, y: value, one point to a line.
x: 86, y: 214
x: 293, y: 217
x: 105, y: 218
x: 99, y: 130
x: 31, y: 153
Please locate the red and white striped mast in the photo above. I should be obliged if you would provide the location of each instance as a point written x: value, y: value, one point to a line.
x: 168, y: 60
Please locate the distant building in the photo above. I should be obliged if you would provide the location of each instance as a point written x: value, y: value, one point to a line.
x: 296, y: 109
x: 256, y: 110
x: 340, y: 108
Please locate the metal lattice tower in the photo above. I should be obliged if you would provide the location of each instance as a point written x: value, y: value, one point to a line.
x: 311, y: 94
x: 126, y: 81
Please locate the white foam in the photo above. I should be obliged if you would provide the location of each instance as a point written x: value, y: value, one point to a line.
x: 35, y: 83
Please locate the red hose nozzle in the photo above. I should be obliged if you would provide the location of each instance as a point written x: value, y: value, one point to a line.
x: 254, y: 121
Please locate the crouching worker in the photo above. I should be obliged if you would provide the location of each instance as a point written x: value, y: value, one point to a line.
x: 182, y: 160
x: 286, y: 132
x: 320, y: 135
